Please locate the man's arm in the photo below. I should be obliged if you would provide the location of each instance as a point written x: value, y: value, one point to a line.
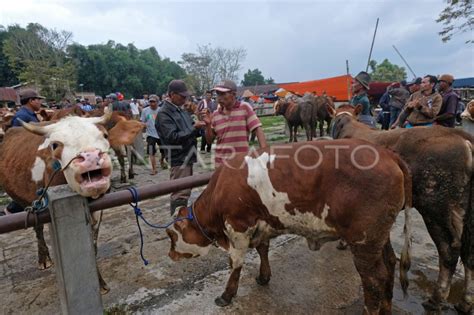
x: 170, y: 134
x: 432, y: 111
x: 451, y: 105
x: 262, y: 141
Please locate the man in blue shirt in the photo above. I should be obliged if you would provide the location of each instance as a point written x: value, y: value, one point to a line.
x: 31, y: 101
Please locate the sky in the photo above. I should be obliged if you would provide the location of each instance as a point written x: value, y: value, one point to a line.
x: 287, y: 40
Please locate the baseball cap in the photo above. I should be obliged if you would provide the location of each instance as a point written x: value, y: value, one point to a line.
x: 225, y: 86
x: 29, y: 93
x: 415, y: 81
x: 446, y: 78
x: 153, y: 98
x: 179, y: 87
x: 112, y: 96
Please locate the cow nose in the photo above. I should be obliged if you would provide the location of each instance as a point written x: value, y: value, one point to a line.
x: 91, y: 159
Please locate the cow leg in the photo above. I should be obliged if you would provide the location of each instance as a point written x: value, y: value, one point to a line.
x: 265, y: 271
x: 123, y: 176
x: 295, y: 134
x: 374, y: 275
x: 96, y: 220
x: 328, y: 129
x: 44, y: 260
x: 130, y: 157
x: 448, y: 259
x: 237, y: 256
x: 290, y: 128
x: 321, y: 128
x: 467, y: 257
x: 390, y: 261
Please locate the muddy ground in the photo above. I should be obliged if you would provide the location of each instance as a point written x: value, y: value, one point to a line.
x: 303, y: 282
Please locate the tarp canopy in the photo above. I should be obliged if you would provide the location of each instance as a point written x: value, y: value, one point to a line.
x: 281, y: 92
x: 247, y: 93
x: 336, y: 86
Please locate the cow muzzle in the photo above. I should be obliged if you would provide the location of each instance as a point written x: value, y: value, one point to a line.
x: 92, y: 170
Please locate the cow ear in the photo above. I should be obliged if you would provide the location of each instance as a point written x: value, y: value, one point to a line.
x: 124, y: 132
x: 357, y: 109
x: 331, y: 110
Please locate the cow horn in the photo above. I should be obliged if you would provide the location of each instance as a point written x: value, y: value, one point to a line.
x: 36, y: 129
x: 106, y: 117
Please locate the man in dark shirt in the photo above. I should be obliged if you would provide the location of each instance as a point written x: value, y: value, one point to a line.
x: 447, y: 115
x: 31, y: 102
x: 178, y: 137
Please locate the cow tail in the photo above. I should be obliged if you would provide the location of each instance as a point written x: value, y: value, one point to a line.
x: 405, y: 260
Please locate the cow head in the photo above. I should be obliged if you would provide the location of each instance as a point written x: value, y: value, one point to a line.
x: 469, y: 111
x: 187, y: 240
x: 81, y: 145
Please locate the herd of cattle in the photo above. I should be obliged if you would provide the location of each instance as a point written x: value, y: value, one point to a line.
x: 352, y: 187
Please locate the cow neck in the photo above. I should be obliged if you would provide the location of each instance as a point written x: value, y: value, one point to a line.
x: 199, y: 222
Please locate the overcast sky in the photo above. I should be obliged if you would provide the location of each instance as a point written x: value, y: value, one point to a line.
x: 287, y: 40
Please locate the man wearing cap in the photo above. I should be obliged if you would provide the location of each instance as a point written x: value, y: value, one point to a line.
x: 447, y: 114
x: 231, y: 123
x: 360, y: 86
x: 31, y: 102
x: 206, y: 104
x: 119, y: 106
x: 423, y: 106
x: 178, y: 136
x: 414, y: 86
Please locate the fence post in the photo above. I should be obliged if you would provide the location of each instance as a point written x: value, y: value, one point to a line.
x: 75, y: 261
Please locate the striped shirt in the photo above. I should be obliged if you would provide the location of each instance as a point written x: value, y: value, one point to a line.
x: 233, y: 130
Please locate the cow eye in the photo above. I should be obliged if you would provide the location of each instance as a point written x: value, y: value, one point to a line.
x: 54, y: 145
x: 106, y: 135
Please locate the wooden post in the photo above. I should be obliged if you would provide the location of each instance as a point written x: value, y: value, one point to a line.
x: 75, y: 261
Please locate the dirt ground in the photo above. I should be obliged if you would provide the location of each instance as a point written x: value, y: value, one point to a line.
x: 303, y: 282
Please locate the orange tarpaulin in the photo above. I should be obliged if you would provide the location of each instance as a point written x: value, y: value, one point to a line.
x: 336, y: 86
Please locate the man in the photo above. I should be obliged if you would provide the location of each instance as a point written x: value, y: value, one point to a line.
x: 86, y: 106
x: 398, y: 98
x: 99, y: 102
x: 414, y: 86
x: 119, y: 106
x: 135, y: 109
x: 206, y: 104
x: 384, y: 116
x: 148, y: 117
x: 447, y: 114
x: 31, y: 103
x: 178, y: 135
x: 360, y: 86
x: 423, y: 106
x: 231, y: 123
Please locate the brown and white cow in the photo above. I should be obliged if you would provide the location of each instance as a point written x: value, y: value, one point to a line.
x: 441, y: 162
x: 322, y: 190
x: 27, y: 156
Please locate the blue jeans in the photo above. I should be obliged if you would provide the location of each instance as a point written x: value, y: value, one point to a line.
x: 419, y: 125
x: 394, y: 112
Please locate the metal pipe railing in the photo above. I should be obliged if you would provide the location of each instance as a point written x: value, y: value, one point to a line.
x: 18, y: 221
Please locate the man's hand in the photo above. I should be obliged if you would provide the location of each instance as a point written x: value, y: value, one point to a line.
x: 205, y: 117
x: 199, y: 124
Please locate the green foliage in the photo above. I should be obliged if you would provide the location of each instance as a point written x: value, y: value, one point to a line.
x: 7, y: 77
x: 386, y: 71
x: 457, y: 18
x: 255, y: 77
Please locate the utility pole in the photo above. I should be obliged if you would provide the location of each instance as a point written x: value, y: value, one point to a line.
x: 372, y: 46
x: 348, y: 82
x: 406, y: 63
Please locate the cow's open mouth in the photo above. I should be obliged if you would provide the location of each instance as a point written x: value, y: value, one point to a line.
x: 95, y: 178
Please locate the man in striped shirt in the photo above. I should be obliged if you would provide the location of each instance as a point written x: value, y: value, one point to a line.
x: 231, y: 124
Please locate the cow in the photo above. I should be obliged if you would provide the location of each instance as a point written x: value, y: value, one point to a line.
x: 80, y: 145
x: 468, y: 112
x: 323, y: 115
x: 312, y: 189
x: 291, y: 111
x: 441, y: 162
x: 308, y: 114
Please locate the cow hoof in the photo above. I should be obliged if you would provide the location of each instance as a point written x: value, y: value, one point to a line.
x: 220, y: 301
x: 463, y: 307
x: 262, y: 281
x: 48, y: 263
x: 104, y: 289
x: 431, y: 305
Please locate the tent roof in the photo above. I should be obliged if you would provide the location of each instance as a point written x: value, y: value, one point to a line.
x: 247, y: 93
x: 8, y: 95
x: 335, y: 86
x: 464, y: 82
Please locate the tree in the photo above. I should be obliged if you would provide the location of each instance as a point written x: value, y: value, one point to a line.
x: 386, y: 71
x: 457, y: 18
x: 210, y: 65
x: 7, y: 77
x: 38, y: 55
x: 253, y: 77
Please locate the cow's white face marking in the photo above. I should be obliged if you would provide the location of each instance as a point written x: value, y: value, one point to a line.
x: 78, y: 135
x: 185, y: 248
x: 37, y: 172
x: 305, y: 224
